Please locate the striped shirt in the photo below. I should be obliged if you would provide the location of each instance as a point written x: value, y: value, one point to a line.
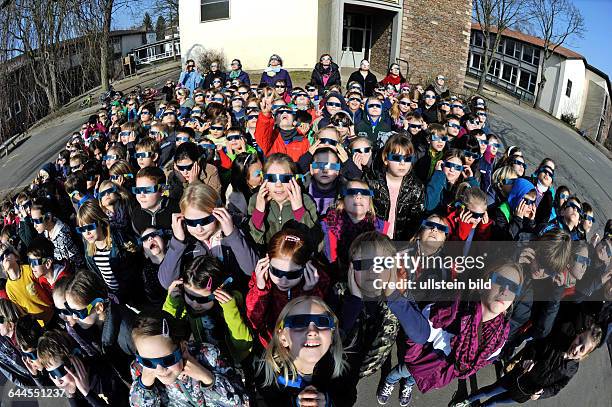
x: 102, y: 260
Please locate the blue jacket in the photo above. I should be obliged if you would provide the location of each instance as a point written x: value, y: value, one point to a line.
x: 282, y: 75
x: 438, y: 193
x: 242, y: 77
x: 190, y: 80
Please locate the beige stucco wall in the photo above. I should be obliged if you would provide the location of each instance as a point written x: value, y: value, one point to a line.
x: 285, y: 27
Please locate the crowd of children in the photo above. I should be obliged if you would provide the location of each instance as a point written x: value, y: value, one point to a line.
x: 218, y: 248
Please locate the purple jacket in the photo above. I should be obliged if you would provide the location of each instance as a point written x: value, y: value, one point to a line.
x: 453, y: 343
x: 283, y: 75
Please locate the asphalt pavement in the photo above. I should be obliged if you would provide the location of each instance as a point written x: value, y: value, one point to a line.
x: 580, y: 165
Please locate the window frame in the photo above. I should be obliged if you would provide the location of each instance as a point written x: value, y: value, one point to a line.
x: 229, y: 10
x: 568, y: 88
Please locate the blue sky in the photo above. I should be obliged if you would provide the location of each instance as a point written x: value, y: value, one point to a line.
x: 594, y: 46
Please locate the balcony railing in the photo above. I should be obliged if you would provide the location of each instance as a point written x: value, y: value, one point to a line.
x: 508, y: 87
x: 157, y: 51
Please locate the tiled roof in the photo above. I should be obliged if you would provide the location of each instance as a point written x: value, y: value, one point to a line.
x: 530, y: 39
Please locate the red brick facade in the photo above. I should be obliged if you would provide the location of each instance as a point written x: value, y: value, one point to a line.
x: 435, y: 39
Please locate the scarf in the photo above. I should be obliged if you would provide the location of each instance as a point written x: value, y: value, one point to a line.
x: 272, y: 71
x: 440, y: 89
x: 475, y: 341
x: 235, y: 74
x: 290, y: 135
x: 392, y: 79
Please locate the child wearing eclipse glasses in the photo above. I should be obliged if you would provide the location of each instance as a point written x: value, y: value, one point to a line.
x: 478, y: 329
x: 468, y: 219
x: 516, y: 215
x: 352, y: 215
x: 399, y: 193
x: 92, y: 382
x: 448, y: 175
x: 428, y: 155
x: 13, y: 367
x: 205, y: 227
x: 169, y: 368
x: 279, y: 200
x: 22, y: 286
x: 304, y: 364
x: 285, y: 273
x: 189, y: 168
x: 203, y: 297
x: 154, y: 208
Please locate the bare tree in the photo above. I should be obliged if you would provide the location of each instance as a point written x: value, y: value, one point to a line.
x: 555, y: 21
x: 36, y: 30
x: 494, y: 16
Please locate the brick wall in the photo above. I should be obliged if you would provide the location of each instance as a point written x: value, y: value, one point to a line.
x: 382, y: 26
x: 435, y: 39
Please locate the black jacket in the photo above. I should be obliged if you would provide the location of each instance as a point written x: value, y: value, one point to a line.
x: 410, y: 206
x: 160, y: 219
x: 367, y: 84
x: 551, y: 371
x: 210, y: 76
x: 430, y: 115
x: 106, y: 387
x: 317, y: 77
x: 117, y: 345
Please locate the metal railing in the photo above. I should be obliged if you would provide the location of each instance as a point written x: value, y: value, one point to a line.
x: 157, y: 51
x: 508, y: 87
x: 8, y: 145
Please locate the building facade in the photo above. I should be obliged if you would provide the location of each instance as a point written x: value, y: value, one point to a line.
x: 350, y: 30
x: 572, y: 86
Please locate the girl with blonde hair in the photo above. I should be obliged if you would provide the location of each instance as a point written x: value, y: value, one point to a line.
x: 108, y: 252
x: 205, y: 227
x: 304, y: 363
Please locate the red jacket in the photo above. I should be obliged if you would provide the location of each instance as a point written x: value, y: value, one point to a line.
x: 459, y: 230
x: 61, y: 273
x: 264, y: 306
x: 269, y: 139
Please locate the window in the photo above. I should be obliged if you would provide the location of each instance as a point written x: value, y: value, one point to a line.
x: 568, y: 89
x: 494, y: 68
x: 509, y: 48
x: 477, y: 39
x: 500, y: 46
x: 477, y: 61
x: 509, y: 73
x: 517, y: 50
x: 214, y: 10
x: 527, y: 54
x: 527, y: 81
x: 17, y: 107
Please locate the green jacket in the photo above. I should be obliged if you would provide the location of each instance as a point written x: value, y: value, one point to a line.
x: 238, y: 337
x: 276, y: 217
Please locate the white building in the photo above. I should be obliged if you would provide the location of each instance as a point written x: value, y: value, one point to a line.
x: 572, y: 87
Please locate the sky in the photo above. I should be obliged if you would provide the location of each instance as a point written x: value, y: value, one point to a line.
x: 594, y: 46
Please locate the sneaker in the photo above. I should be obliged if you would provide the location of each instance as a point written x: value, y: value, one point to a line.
x: 384, y: 393
x: 405, y: 395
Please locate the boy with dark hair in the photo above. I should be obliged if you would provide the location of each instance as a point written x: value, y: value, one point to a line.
x: 147, y: 152
x: 45, y: 268
x: 87, y: 382
x: 57, y: 232
x: 324, y: 186
x: 76, y: 188
x: 154, y: 210
x: 27, y: 333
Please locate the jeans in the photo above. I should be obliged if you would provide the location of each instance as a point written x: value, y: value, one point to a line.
x: 496, y: 393
x: 400, y: 372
